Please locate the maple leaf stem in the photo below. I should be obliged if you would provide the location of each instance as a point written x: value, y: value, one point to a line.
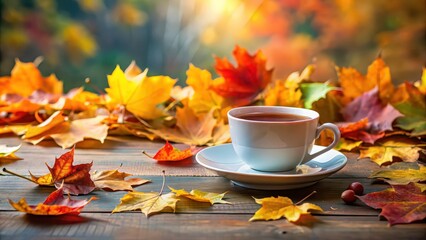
x: 164, y: 183
x: 146, y: 154
x: 142, y: 121
x: 17, y: 175
x: 89, y: 82
x: 171, y: 105
x: 303, y: 199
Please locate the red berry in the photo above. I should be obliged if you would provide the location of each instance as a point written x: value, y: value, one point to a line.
x: 348, y: 196
x: 357, y: 188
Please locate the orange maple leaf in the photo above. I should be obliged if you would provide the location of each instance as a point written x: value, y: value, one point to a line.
x: 170, y: 153
x: 26, y: 78
x: 354, y: 84
x: 240, y: 85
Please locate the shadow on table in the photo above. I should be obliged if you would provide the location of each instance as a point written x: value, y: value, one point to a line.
x: 58, y: 220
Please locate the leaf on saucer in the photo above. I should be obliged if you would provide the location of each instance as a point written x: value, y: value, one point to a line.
x: 305, y: 169
x: 274, y: 208
x: 201, y: 196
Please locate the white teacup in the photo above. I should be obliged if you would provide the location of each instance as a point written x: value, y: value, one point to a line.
x: 272, y: 138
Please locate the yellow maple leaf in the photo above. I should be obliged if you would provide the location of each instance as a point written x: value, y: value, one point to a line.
x: 201, y: 196
x: 274, y: 208
x: 287, y: 92
x: 138, y: 93
x: 8, y: 152
x: 148, y: 203
x: 203, y: 99
x: 45, y: 180
x: 385, y: 151
x: 115, y: 180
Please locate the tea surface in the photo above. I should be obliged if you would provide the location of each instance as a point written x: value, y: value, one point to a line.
x: 273, y: 117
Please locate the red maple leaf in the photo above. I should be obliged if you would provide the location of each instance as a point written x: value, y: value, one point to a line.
x: 399, y: 204
x: 55, y: 204
x: 243, y: 83
x: 76, y: 179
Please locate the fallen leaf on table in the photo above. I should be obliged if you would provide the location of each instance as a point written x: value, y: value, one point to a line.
x: 414, y: 110
x: 170, y: 153
x: 137, y: 92
x: 403, y: 148
x: 115, y: 180
x: 201, y: 196
x: 67, y: 133
x: 191, y: 128
x: 8, y: 153
x: 55, y: 204
x: 274, y: 208
x: 148, y: 203
x: 347, y: 145
x: 241, y: 84
x: 401, y: 173
x: 73, y: 179
x: 25, y: 105
x: 399, y: 204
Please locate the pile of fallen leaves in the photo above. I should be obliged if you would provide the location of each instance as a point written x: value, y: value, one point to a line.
x: 383, y: 121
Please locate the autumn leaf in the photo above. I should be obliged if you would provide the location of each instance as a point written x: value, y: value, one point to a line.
x: 312, y: 92
x: 414, y: 110
x: 399, y: 204
x: 55, y: 204
x: 347, y: 145
x: 45, y: 180
x: 401, y: 173
x: 8, y: 153
x: 170, y: 153
x: 201, y: 196
x: 241, y: 84
x: 274, y: 208
x: 380, y: 117
x: 138, y: 93
x: 26, y: 78
x: 66, y: 133
x: 75, y: 100
x: 354, y: 84
x: 191, y: 128
x: 203, y: 99
x: 287, y: 92
x: 385, y: 152
x: 147, y: 203
x: 24, y: 105
x: 115, y: 180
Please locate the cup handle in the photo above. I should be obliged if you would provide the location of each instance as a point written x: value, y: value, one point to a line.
x: 336, y: 134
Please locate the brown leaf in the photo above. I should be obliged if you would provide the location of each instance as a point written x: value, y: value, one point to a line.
x: 115, y: 180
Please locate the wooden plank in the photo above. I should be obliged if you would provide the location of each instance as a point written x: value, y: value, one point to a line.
x: 128, y: 152
x: 198, y: 226
x: 327, y: 196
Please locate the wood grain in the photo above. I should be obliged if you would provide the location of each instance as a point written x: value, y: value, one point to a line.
x: 198, y: 226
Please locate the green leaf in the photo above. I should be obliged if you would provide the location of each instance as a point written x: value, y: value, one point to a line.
x: 414, y: 117
x: 312, y: 92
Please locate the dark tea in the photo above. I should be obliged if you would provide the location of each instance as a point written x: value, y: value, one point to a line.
x: 273, y: 117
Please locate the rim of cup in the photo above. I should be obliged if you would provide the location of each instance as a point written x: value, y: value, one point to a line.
x: 311, y: 114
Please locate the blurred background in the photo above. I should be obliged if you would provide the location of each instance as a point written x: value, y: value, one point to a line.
x: 87, y: 38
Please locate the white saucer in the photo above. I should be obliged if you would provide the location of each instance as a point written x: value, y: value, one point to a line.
x: 223, y: 160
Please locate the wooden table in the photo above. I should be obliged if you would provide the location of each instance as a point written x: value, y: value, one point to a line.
x: 191, y: 220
